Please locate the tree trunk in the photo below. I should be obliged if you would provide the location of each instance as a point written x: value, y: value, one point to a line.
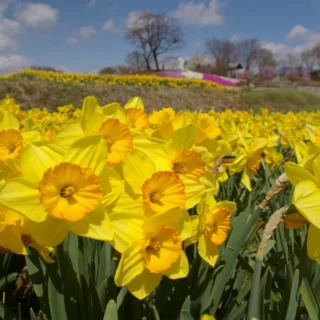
x: 147, y: 62
x: 155, y: 57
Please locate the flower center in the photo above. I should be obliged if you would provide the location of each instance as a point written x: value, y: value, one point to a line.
x: 11, y: 144
x: 162, y: 191
x: 179, y: 168
x: 118, y: 139
x: 155, y: 197
x: 67, y: 191
x: 11, y: 148
x: 161, y: 248
x: 215, y: 224
x: 189, y: 163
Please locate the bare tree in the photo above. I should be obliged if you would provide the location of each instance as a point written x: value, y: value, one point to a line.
x: 154, y: 34
x: 294, y: 61
x: 248, y: 52
x: 309, y: 58
x: 136, y: 60
x: 224, y: 52
x: 265, y: 58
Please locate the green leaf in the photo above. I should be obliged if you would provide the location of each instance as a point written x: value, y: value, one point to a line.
x: 309, y: 299
x: 294, y: 297
x: 12, y: 277
x: 184, y: 315
x: 6, y: 313
x: 111, y: 312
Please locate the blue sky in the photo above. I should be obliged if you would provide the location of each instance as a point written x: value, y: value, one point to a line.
x: 86, y: 35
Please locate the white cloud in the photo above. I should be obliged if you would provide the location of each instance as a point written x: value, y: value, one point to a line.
x: 7, y: 44
x: 14, y: 62
x: 72, y: 41
x: 133, y: 19
x: 298, y: 32
x: 87, y: 32
x: 235, y: 38
x: 109, y: 26
x: 199, y: 14
x: 9, y: 26
x: 38, y: 16
x: 4, y: 5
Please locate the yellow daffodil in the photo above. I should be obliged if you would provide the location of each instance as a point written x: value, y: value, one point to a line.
x: 306, y: 199
x: 151, y: 248
x: 210, y: 227
x: 248, y: 159
x: 60, y: 192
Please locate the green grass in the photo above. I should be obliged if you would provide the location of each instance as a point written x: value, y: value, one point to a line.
x: 280, y: 99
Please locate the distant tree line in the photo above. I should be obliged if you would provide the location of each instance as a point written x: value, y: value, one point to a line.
x: 154, y: 35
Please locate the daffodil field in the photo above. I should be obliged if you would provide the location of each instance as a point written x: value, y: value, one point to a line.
x: 107, y: 212
x: 143, y: 80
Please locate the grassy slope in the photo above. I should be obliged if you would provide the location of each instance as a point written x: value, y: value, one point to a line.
x: 49, y: 94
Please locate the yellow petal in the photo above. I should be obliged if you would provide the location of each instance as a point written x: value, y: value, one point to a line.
x: 239, y: 163
x: 88, y: 152
x: 68, y: 135
x: 128, y: 201
x: 18, y: 195
x: 313, y: 244
x: 114, y: 111
x: 92, y: 116
x: 130, y: 265
x: 137, y: 168
x: 194, y: 189
x: 208, y: 251
x: 306, y: 199
x: 127, y: 229
x: 142, y: 285
x: 48, y: 233
x: 182, y: 139
x: 134, y: 102
x: 257, y: 144
x: 112, y: 185
x: 296, y: 173
x: 231, y: 206
x: 245, y: 179
x: 95, y: 225
x: 8, y: 121
x: 179, y: 269
x: 155, y: 150
x: 10, y: 238
x: 194, y: 233
x: 316, y: 170
x: 30, y: 136
x: 37, y: 158
x: 46, y: 252
x: 169, y: 218
x: 209, y: 317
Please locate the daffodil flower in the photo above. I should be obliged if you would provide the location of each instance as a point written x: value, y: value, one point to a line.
x: 149, y: 191
x: 100, y: 120
x: 306, y: 199
x: 60, y: 192
x: 248, y: 159
x: 151, y: 248
x: 177, y: 155
x: 15, y: 237
x: 210, y: 227
x: 12, y: 142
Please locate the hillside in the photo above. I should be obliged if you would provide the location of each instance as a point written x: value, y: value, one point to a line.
x: 50, y: 94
